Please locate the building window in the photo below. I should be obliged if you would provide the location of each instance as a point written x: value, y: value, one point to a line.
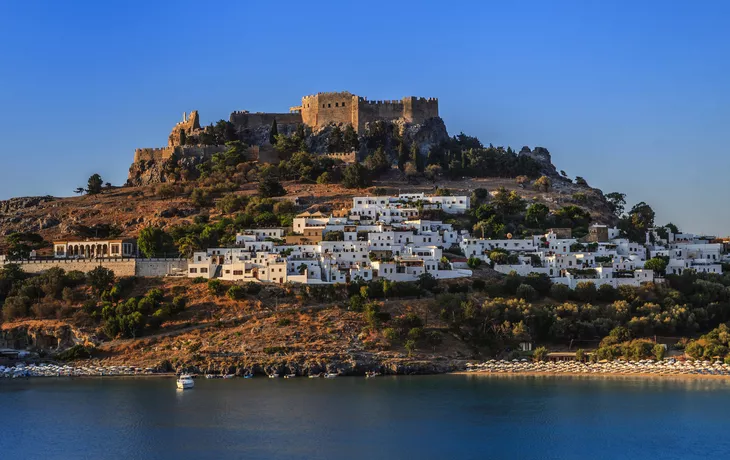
x: 337, y: 104
x: 343, y: 104
x: 237, y: 272
x: 193, y: 270
x: 329, y: 106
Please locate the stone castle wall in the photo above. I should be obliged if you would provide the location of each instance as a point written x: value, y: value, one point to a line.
x: 120, y: 267
x: 181, y: 151
x: 247, y: 120
x: 322, y: 109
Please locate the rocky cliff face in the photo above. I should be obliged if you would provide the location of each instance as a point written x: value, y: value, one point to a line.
x: 426, y: 135
x: 43, y: 336
x: 542, y: 156
x: 154, y: 172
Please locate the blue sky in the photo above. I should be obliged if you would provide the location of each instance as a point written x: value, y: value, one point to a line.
x: 633, y: 96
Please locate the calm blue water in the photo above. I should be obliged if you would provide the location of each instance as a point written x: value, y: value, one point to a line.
x: 446, y: 416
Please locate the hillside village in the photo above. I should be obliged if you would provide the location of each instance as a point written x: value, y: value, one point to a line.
x: 384, y: 237
x: 409, y: 239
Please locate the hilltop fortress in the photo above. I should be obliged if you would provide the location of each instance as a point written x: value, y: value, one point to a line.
x: 315, y: 111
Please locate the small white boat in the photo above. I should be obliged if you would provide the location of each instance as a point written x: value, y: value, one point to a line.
x: 330, y: 375
x: 315, y: 376
x: 369, y: 375
x: 290, y: 376
x: 185, y: 382
x: 273, y: 376
x: 229, y: 376
x: 211, y: 376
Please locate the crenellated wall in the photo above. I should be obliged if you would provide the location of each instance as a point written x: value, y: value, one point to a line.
x: 181, y: 151
x: 247, y: 120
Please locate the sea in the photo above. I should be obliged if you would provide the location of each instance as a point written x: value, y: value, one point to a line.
x: 404, y: 417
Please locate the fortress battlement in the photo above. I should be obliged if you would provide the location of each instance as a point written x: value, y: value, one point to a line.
x: 316, y: 111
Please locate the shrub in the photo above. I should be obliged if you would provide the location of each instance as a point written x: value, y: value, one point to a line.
x: 178, y: 304
x: 527, y: 292
x: 253, y: 288
x: 560, y: 292
x: 275, y: 350
x: 75, y: 353
x: 586, y: 291
x: 201, y: 198
x: 540, y: 354
x: 415, y: 334
x: 199, y: 280
x: 659, y: 352
x: 474, y: 262
x: 324, y: 178
x: 607, y: 293
x: 234, y: 292
x: 214, y: 286
x: 410, y: 346
x: 478, y: 284
x: 390, y: 334
x: 283, y: 322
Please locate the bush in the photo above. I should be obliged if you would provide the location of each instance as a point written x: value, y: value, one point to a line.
x: 234, y: 292
x: 75, y: 353
x: 607, y: 293
x: 474, y: 262
x: 478, y: 284
x: 410, y: 346
x: 253, y: 288
x: 201, y: 198
x: 178, y: 304
x: 527, y: 292
x: 275, y: 350
x: 659, y: 352
x: 540, y: 354
x: 214, y: 286
x: 560, y: 292
x: 324, y: 178
x: 199, y: 280
x: 586, y: 291
x: 415, y: 334
x: 283, y: 322
x: 390, y: 334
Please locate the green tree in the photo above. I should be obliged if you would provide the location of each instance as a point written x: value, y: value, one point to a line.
x: 349, y: 138
x: 377, y: 162
x: 270, y: 186
x: 335, y: 142
x: 154, y: 242
x: 324, y: 178
x: 94, y: 185
x: 273, y: 132
x: 540, y: 354
x: 100, y: 279
x: 617, y: 202
x: 536, y: 215
x: 21, y: 244
x: 410, y: 346
x: 657, y: 264
x: 579, y: 355
x: 659, y: 352
x: 355, y: 176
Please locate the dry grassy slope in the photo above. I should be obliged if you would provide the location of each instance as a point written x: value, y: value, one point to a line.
x: 219, y: 325
x: 133, y: 208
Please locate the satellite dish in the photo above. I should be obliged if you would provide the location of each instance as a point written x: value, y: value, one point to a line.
x: 509, y: 236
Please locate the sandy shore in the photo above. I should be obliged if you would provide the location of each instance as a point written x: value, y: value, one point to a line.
x: 599, y: 375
